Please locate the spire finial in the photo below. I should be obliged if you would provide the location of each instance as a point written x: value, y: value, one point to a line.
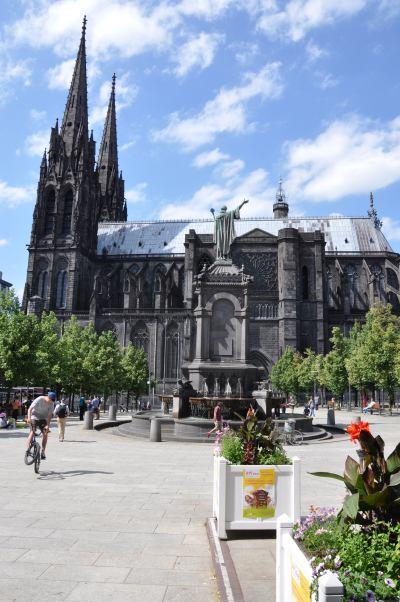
x: 114, y: 77
x: 84, y: 25
x: 371, y: 200
x: 280, y: 195
x: 373, y: 214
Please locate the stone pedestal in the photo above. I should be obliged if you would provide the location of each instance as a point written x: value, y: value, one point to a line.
x: 176, y: 407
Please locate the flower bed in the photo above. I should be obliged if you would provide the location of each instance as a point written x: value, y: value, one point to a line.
x: 361, y: 543
x: 254, y: 481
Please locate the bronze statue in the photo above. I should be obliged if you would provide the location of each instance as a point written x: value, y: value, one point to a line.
x: 224, y: 229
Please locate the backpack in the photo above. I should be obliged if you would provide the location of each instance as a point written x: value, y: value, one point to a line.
x: 62, y: 411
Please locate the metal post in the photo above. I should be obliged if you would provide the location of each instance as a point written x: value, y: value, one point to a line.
x: 155, y: 430
x: 88, y: 421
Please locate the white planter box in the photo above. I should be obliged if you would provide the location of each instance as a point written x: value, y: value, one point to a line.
x: 230, y: 493
x: 294, y: 572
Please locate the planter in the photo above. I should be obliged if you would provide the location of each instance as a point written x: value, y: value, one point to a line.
x: 253, y: 497
x: 294, y: 572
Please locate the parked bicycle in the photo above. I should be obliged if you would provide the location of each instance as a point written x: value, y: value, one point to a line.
x: 291, y: 437
x: 32, y: 454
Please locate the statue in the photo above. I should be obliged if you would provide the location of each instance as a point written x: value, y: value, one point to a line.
x: 224, y: 229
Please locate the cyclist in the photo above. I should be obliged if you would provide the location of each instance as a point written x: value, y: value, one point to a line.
x: 39, y: 415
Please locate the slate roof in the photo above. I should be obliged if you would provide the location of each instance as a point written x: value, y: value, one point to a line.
x: 342, y: 234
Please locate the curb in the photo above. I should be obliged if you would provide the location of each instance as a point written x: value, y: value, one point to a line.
x: 227, y: 580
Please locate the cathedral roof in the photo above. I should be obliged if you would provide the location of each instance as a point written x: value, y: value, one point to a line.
x: 342, y: 234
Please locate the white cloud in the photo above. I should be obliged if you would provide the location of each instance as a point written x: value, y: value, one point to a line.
x: 197, y: 52
x: 10, y: 196
x: 206, y: 9
x: 326, y: 80
x: 253, y: 186
x: 37, y: 115
x: 351, y: 156
x: 60, y: 76
x: 297, y: 17
x: 224, y: 113
x: 127, y: 145
x: 4, y: 242
x: 36, y: 143
x: 137, y: 194
x: 12, y: 74
x: 391, y: 228
x: 245, y: 52
x: 230, y: 169
x: 314, y: 52
x: 209, y: 158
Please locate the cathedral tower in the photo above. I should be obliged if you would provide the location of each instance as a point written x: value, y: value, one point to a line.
x: 64, y: 230
x: 111, y: 185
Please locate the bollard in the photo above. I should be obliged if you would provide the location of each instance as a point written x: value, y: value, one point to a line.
x: 331, y: 417
x: 155, y: 430
x: 112, y: 413
x: 88, y: 421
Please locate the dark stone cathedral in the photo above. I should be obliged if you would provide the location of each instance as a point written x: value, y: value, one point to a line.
x: 220, y: 322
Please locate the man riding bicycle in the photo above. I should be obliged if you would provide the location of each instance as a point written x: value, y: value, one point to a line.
x: 39, y: 415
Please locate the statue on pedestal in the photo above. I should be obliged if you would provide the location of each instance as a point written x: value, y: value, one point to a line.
x: 224, y: 229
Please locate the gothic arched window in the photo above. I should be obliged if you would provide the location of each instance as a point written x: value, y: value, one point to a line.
x: 61, y: 284
x: 171, y: 350
x: 392, y: 279
x: 140, y: 337
x: 50, y: 216
x: 304, y: 283
x: 43, y: 279
x: 67, y: 213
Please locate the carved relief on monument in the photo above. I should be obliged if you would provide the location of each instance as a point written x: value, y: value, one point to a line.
x: 262, y: 266
x: 263, y: 311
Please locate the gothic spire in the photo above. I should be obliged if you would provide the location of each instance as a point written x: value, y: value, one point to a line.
x: 373, y: 214
x: 76, y: 110
x: 108, y: 155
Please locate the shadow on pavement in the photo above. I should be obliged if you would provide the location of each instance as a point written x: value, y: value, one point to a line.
x: 77, y: 441
x: 53, y: 475
x: 13, y: 434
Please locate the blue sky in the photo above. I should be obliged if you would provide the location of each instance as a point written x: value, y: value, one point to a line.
x: 217, y: 100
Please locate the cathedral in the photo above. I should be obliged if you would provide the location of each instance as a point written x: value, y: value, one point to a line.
x: 218, y: 319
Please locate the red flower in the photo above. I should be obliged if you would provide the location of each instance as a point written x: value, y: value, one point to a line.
x: 354, y: 429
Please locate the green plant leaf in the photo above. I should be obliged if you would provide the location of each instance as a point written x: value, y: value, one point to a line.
x: 395, y: 479
x: 351, y: 505
x: 329, y: 475
x: 351, y: 471
x: 393, y: 460
x: 375, y: 499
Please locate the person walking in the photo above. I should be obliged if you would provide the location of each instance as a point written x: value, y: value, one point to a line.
x: 217, y: 418
x: 15, y: 407
x: 40, y: 414
x: 95, y: 407
x: 311, y: 405
x: 61, y: 412
x: 82, y: 407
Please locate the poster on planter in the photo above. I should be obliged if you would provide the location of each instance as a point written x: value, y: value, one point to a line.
x: 259, y: 493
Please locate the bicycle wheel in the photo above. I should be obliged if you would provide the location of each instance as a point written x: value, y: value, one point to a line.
x: 297, y: 438
x: 37, y: 459
x: 30, y: 453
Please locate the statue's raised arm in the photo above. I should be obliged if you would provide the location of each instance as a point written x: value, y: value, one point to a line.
x: 224, y: 229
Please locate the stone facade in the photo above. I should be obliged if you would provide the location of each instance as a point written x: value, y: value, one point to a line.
x: 157, y: 284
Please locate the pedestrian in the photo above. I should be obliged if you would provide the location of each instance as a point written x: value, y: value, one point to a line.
x: 82, y: 407
x: 217, y: 418
x: 95, y: 407
x: 316, y: 402
x: 15, y: 407
x: 311, y: 405
x: 61, y: 412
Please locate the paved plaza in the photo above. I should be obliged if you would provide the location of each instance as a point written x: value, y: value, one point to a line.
x: 115, y: 518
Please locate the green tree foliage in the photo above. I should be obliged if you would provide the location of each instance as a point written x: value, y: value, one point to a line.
x: 74, y: 345
x: 309, y: 371
x: 378, y: 347
x: 20, y: 339
x: 284, y: 374
x: 335, y: 375
x: 135, y: 371
x: 103, y: 362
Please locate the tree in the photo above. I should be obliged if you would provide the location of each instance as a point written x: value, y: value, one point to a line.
x: 48, y: 356
x: 20, y: 340
x: 103, y: 363
x: 284, y: 374
x: 379, y: 345
x: 75, y: 345
x: 335, y: 375
x: 135, y: 371
x: 309, y: 371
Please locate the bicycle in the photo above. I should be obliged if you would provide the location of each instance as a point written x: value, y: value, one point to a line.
x: 291, y: 437
x: 32, y: 454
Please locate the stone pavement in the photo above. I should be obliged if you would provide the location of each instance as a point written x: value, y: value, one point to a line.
x: 109, y: 518
x: 112, y: 518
